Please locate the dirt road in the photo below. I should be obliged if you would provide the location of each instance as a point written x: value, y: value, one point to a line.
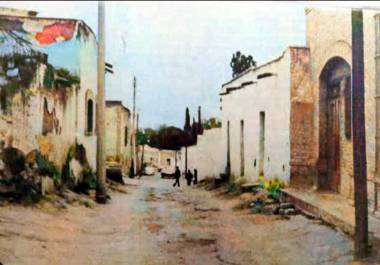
x: 157, y: 224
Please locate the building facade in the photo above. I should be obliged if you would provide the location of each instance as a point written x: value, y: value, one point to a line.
x: 291, y: 118
x: 118, y: 135
x: 162, y: 159
x: 48, y: 84
x: 331, y: 61
x: 263, y: 134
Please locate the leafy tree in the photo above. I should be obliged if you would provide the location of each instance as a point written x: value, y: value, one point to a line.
x: 212, y: 123
x: 240, y: 62
x: 141, y: 138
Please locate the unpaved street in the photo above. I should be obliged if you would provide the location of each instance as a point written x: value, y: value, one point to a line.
x: 157, y: 224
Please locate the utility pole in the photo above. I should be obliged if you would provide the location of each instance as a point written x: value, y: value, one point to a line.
x: 100, y: 105
x: 136, y: 146
x: 134, y: 127
x: 359, y: 144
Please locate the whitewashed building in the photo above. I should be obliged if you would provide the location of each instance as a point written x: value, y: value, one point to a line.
x: 264, y: 132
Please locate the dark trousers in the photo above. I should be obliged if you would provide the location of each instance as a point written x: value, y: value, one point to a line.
x: 189, y: 181
x: 176, y: 183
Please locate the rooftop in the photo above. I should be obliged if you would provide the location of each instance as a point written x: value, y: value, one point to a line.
x: 110, y: 103
x: 17, y: 12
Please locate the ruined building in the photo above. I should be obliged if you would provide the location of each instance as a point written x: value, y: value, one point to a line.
x: 48, y: 84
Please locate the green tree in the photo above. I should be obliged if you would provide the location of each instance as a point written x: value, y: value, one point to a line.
x: 212, y: 123
x: 240, y: 62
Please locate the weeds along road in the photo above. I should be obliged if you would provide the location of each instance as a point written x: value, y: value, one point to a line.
x: 155, y: 223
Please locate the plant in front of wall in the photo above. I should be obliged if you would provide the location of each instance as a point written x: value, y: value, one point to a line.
x: 273, y: 186
x: 78, y: 152
x: 47, y: 168
x: 89, y: 180
x: 234, y: 188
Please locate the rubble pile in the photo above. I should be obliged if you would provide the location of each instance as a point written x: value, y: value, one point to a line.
x: 27, y: 178
x: 264, y: 197
x: 22, y: 176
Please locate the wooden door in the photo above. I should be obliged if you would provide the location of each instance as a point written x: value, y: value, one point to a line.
x: 333, y: 143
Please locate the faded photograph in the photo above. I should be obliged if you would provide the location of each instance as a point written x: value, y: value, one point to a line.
x: 189, y: 133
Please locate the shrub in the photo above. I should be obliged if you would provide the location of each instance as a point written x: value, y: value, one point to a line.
x: 234, y: 188
x: 14, y: 159
x: 89, y: 178
x: 273, y: 186
x: 47, y: 168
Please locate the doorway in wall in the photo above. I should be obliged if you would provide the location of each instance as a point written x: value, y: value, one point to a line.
x: 335, y: 95
x: 262, y: 143
x: 242, y: 162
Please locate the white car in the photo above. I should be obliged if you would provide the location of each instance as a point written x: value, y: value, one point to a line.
x: 150, y: 171
x: 167, y: 172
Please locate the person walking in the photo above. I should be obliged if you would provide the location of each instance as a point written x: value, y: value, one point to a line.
x: 177, y: 175
x: 195, y: 176
x: 189, y: 177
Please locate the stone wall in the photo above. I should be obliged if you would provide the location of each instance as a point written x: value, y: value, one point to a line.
x: 118, y: 144
x: 301, y: 118
x: 329, y: 36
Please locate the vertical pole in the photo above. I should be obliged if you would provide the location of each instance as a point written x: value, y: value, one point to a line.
x: 228, y: 167
x: 242, y: 162
x: 377, y: 107
x: 142, y: 156
x: 133, y: 140
x: 185, y: 158
x: 100, y: 106
x: 359, y: 144
x: 137, y: 167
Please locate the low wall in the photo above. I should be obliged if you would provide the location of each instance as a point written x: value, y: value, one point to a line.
x: 207, y: 156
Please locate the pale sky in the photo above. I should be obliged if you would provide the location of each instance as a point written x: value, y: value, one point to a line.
x: 180, y: 51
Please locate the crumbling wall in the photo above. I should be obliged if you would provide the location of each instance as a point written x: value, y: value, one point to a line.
x: 326, y: 42
x: 301, y: 119
x: 47, y: 65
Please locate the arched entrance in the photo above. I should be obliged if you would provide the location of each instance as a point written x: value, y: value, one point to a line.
x: 334, y: 121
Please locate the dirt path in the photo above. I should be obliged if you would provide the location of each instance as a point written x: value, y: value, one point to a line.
x: 157, y: 224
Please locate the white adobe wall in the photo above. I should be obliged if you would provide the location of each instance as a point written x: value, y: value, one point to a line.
x: 207, y: 156
x: 272, y: 95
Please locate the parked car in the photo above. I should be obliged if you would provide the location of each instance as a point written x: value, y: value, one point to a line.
x: 167, y: 172
x: 150, y: 170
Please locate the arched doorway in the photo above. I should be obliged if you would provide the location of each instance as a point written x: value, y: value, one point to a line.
x: 334, y: 121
